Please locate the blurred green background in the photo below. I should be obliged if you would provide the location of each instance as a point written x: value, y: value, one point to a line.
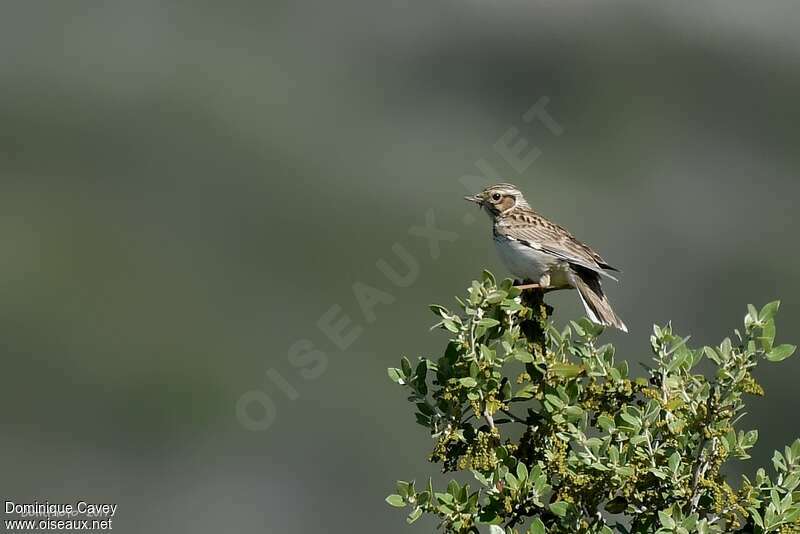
x: 187, y: 187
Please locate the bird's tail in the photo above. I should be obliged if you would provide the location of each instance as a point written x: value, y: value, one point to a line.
x: 598, y: 308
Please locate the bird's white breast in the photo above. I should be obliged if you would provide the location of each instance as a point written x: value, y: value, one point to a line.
x: 526, y: 262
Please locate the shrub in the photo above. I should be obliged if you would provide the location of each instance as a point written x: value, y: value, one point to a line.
x: 561, y: 439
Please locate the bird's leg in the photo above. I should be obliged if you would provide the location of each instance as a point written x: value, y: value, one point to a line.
x: 544, y: 283
x: 529, y: 286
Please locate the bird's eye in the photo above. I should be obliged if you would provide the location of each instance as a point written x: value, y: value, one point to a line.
x: 496, y: 197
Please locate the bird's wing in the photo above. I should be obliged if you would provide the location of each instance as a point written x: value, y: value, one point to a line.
x: 537, y: 232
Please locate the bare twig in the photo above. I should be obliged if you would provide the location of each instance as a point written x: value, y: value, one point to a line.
x: 701, y: 466
x: 514, y: 417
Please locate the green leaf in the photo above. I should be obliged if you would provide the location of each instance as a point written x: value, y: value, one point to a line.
x: 396, y: 501
x: 523, y: 356
x: 488, y: 322
x: 625, y: 471
x: 453, y: 488
x: 406, y: 366
x: 578, y: 330
x: 666, y: 520
x: 413, y: 516
x: 525, y: 392
x: 792, y: 515
x: 505, y: 391
x: 749, y: 439
x: 522, y: 472
x: 468, y: 382
x: 554, y: 400
x: 630, y: 419
x: 396, y: 375
x: 566, y: 370
x: 778, y: 462
x: 756, y: 518
x: 591, y: 329
x: 487, y: 353
x: 441, y: 311
x: 674, y: 461
x: 780, y: 353
x: 450, y: 325
x: 674, y: 404
x: 752, y: 314
x: 445, y: 498
x: 769, y: 310
x: 537, y: 527
x: 512, y: 481
x: 402, y: 488
x: 767, y: 336
x: 559, y: 508
x: 496, y: 296
x: 422, y: 369
x: 605, y: 422
x: 712, y: 355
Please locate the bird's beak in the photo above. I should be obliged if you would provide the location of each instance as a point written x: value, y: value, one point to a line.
x: 476, y: 199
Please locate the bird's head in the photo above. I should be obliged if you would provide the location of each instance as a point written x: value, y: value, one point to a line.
x: 499, y: 199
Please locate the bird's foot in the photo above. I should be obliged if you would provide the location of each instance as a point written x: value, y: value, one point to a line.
x: 543, y: 284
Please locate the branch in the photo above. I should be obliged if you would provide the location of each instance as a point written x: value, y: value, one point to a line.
x: 514, y: 417
x: 701, y: 466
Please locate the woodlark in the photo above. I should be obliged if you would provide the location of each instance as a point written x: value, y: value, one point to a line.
x: 542, y: 252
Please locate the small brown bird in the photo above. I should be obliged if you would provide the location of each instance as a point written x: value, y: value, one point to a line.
x: 535, y: 249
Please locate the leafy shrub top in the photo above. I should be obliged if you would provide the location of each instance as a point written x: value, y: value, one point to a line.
x: 560, y: 438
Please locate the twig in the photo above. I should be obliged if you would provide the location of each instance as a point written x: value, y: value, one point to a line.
x: 489, y: 418
x: 514, y: 417
x: 700, y: 466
